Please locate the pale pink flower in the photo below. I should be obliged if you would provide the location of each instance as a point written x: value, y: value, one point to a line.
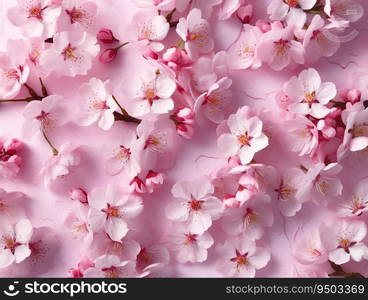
x: 246, y: 137
x: 356, y: 132
x: 245, y: 13
x: 11, y: 205
x: 309, y: 249
x: 106, y: 36
x: 153, y: 181
x: 319, y: 40
x: 302, y: 136
x: 239, y: 257
x: 97, y: 105
x: 152, y: 260
x: 79, y: 194
x: 310, y: 94
x: 10, y: 160
x: 212, y: 103
x: 151, y: 28
x: 164, y: 5
x: 357, y: 204
x: 76, y: 223
x: 292, y: 11
x: 279, y: 48
x: 289, y: 199
x: 110, y: 266
x: 112, y: 211
x: 344, y: 9
x: 189, y: 247
x: 71, y: 53
x: 35, y: 17
x: 249, y: 219
x: 243, y: 52
x: 43, y: 115
x: 14, y: 241
x: 321, y: 183
x: 153, y: 93
x: 343, y: 241
x: 82, y: 12
x: 14, y: 70
x: 60, y: 165
x: 194, y: 31
x: 195, y: 205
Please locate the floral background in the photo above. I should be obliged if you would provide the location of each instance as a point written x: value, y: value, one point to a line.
x: 183, y: 138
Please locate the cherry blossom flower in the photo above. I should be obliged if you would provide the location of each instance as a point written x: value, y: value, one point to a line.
x: 14, y: 242
x: 344, y: 241
x: 60, y: 165
x: 97, y: 104
x: 249, y: 219
x: 153, y: 93
x: 184, y: 120
x: 243, y: 51
x: 10, y: 160
x: 71, y: 53
x: 246, y: 137
x: 309, y: 249
x: 153, y: 181
x: 164, y: 5
x: 343, y: 9
x: 14, y: 70
x: 195, y: 205
x: 35, y: 17
x: 279, y: 48
x: 310, y: 94
x: 11, y: 205
x: 79, y: 194
x: 110, y: 266
x: 241, y: 258
x: 245, y: 13
x: 189, y: 247
x: 80, y: 11
x: 356, y: 132
x: 152, y: 260
x: 194, y: 31
x: 292, y: 11
x: 112, y: 211
x: 321, y: 182
x: 357, y: 203
x: 212, y: 103
x: 176, y: 58
x: 43, y: 115
x: 289, y: 198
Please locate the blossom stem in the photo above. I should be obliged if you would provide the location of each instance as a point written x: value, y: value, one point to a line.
x: 180, y: 43
x: 170, y: 15
x: 43, y: 88
x: 124, y: 116
x: 31, y: 90
x: 53, y: 149
x: 121, y: 46
x: 29, y: 99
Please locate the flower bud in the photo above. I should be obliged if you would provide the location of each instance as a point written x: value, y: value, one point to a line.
x: 263, y: 25
x: 12, y: 144
x: 138, y: 185
x: 106, y: 36
x: 184, y: 115
x: 78, y: 194
x: 185, y: 130
x: 351, y: 95
x: 245, y: 13
x: 108, y: 55
x: 153, y: 180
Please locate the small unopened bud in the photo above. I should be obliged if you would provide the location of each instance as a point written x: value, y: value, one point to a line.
x: 108, y: 55
x: 78, y: 194
x: 245, y: 13
x: 106, y: 36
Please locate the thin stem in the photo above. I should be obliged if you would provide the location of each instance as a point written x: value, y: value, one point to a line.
x: 31, y: 90
x: 43, y: 88
x: 180, y: 44
x: 120, y: 107
x: 29, y: 99
x: 170, y: 15
x: 121, y: 46
x: 54, y: 150
x: 126, y: 118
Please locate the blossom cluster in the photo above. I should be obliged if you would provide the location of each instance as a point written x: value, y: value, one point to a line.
x: 106, y: 105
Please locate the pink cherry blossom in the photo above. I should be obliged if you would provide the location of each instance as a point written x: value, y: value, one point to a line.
x: 112, y: 211
x: 14, y: 242
x: 245, y: 13
x: 356, y: 132
x: 357, y: 203
x: 43, y: 115
x: 212, y: 103
x: 60, y: 164
x: 35, y: 17
x: 189, y: 247
x: 153, y: 93
x: 153, y: 181
x: 292, y: 11
x: 10, y: 159
x: 12, y: 205
x: 82, y: 12
x: 243, y: 52
x: 79, y: 194
x: 310, y: 94
x: 194, y: 31
x: 279, y: 48
x: 110, y: 266
x: 344, y: 241
x: 97, y: 104
x: 71, y: 53
x: 151, y: 27
x: 14, y: 70
x: 249, y: 219
x: 240, y: 257
x: 246, y: 137
x: 152, y: 260
x: 106, y: 36
x: 194, y: 205
x: 176, y: 58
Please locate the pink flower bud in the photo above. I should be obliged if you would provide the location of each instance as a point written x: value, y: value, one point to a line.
x: 263, y: 25
x: 78, y: 194
x: 108, y: 55
x: 176, y: 58
x: 153, y: 180
x: 184, y: 115
x: 185, y: 130
x: 149, y: 53
x: 138, y: 185
x: 245, y: 13
x: 231, y: 202
x: 351, y: 95
x: 106, y: 36
x: 12, y: 144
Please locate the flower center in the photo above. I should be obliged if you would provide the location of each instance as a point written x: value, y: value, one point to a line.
x: 190, y: 238
x: 150, y: 95
x: 10, y: 243
x: 194, y: 36
x: 345, y: 244
x: 286, y: 191
x: 100, y: 105
x: 316, y: 252
x: 292, y: 3
x: 12, y: 74
x: 310, y: 97
x: 69, y: 53
x: 240, y: 259
x: 195, y: 205
x: 44, y: 118
x: 156, y: 143
x: 112, y: 211
x: 35, y: 12
x: 281, y: 47
x: 250, y: 216
x: 123, y: 154
x: 76, y: 15
x: 244, y: 139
